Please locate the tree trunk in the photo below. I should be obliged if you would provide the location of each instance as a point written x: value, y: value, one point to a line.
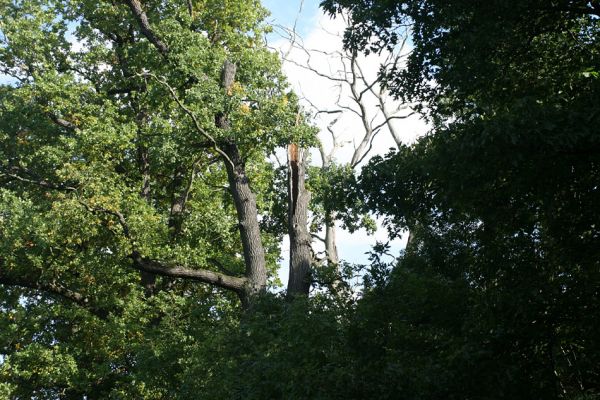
x: 300, y: 239
x: 247, y: 213
x: 330, y: 241
x: 245, y: 204
x: 147, y: 279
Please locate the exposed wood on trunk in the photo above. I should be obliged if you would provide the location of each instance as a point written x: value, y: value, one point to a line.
x: 330, y: 239
x: 410, y: 242
x: 300, y: 239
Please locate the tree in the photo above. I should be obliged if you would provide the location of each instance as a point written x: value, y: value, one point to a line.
x: 500, y: 196
x: 359, y: 113
x: 135, y: 140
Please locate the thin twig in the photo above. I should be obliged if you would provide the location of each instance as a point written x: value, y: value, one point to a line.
x: 189, y: 112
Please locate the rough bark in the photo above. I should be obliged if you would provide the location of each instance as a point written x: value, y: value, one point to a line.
x: 147, y: 31
x: 247, y: 213
x: 175, y: 271
x: 300, y: 239
x: 245, y: 204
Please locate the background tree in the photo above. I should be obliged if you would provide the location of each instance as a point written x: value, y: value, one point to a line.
x: 137, y: 166
x: 355, y: 113
x: 501, y: 194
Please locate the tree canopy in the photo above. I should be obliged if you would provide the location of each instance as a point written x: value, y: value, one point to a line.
x: 501, y: 196
x: 142, y: 208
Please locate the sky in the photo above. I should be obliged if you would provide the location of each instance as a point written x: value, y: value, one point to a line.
x: 286, y: 12
x: 323, y: 34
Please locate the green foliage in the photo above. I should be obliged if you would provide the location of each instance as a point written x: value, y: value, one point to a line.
x: 495, y: 297
x: 282, y: 350
x: 500, y: 197
x: 333, y: 191
x: 96, y: 127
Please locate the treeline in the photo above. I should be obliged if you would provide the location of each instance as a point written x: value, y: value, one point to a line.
x: 139, y: 224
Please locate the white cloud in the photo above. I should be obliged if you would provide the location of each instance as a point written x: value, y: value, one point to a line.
x: 322, y: 93
x: 325, y: 39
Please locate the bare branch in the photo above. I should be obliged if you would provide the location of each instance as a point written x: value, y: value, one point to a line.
x: 317, y: 237
x: 393, y: 117
x: 368, y: 150
x: 308, y: 67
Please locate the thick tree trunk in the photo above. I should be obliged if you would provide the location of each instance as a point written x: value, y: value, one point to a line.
x: 300, y: 240
x: 247, y: 213
x: 245, y: 204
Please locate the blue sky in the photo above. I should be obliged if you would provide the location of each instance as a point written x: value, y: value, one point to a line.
x: 284, y: 12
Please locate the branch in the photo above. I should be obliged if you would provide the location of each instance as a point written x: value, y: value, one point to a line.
x: 308, y: 67
x: 293, y: 32
x: 202, y: 275
x: 190, y: 7
x: 145, y: 264
x: 179, y: 202
x: 219, y: 265
x: 126, y: 90
x: 360, y: 153
x: 368, y: 150
x: 382, y: 104
x: 52, y: 288
x: 388, y: 119
x: 39, y: 182
x: 120, y: 217
x: 63, y: 122
x: 189, y: 112
x: 317, y: 237
x: 142, y: 19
